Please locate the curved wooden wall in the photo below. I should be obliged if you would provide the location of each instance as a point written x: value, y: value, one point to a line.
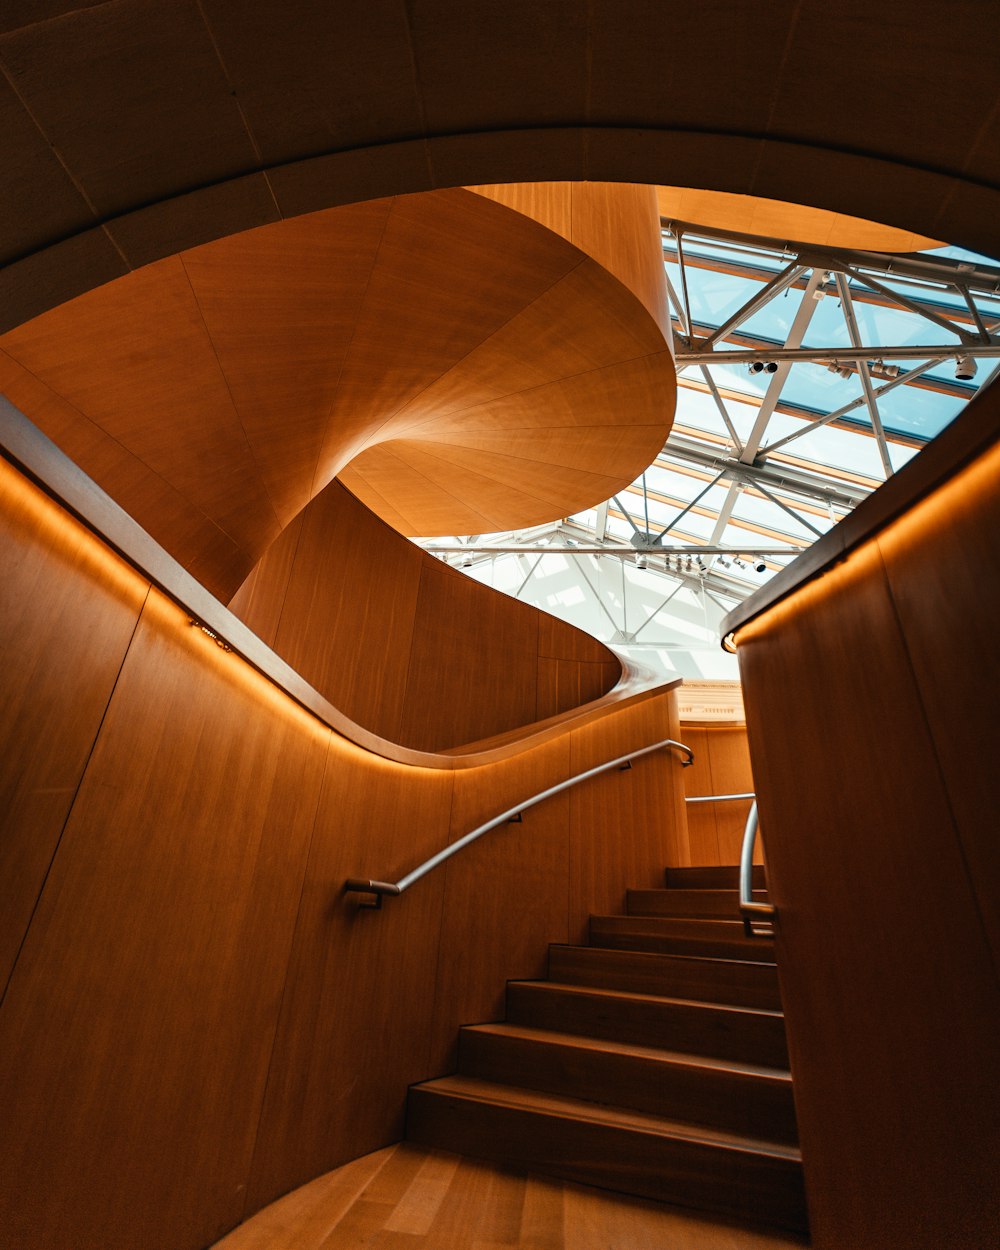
x: 870, y: 694
x: 617, y: 224
x: 196, y: 1018
x: 406, y: 646
x: 498, y: 376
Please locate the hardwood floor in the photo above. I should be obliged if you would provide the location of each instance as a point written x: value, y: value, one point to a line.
x: 406, y: 1196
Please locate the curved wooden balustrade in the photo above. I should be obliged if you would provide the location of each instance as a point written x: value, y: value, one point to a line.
x: 773, y: 219
x: 497, y: 375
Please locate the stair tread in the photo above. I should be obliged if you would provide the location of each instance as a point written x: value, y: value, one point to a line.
x: 655, y: 1053
x: 476, y: 1090
x: 638, y: 996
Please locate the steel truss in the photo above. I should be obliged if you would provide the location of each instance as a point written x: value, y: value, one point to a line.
x: 961, y: 301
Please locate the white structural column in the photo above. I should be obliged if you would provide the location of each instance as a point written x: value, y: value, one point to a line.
x: 796, y: 333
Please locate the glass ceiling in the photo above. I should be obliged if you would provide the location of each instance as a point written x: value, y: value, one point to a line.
x: 804, y: 381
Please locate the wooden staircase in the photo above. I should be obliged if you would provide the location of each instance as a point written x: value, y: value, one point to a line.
x: 652, y: 1062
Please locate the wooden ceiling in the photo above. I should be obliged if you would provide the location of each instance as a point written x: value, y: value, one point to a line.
x: 136, y: 129
x: 463, y: 368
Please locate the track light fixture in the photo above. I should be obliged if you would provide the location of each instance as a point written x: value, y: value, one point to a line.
x: 965, y: 368
x: 761, y: 366
x: 640, y: 560
x: 759, y: 566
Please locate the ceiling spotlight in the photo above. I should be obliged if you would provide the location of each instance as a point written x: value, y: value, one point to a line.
x: 467, y: 562
x: 879, y: 369
x: 965, y: 368
x: 771, y: 366
x: 640, y: 560
x: 756, y: 366
x: 759, y: 566
x: 738, y: 562
x: 724, y: 562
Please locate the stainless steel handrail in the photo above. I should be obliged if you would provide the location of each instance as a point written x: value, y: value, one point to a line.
x: 716, y: 798
x: 382, y: 889
x: 748, y: 908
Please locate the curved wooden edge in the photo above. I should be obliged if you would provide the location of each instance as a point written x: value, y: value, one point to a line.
x: 35, y: 455
x: 636, y: 684
x: 753, y: 214
x: 969, y: 435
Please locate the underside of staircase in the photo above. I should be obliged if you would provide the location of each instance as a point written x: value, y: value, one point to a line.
x: 652, y: 1062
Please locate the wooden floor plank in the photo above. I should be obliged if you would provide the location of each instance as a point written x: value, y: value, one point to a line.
x: 419, y: 1206
x: 543, y: 1219
x: 304, y: 1219
x: 383, y: 1202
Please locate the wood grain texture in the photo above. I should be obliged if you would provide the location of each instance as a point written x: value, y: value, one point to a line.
x: 435, y: 1200
x: 750, y: 214
x: 200, y: 1018
x: 625, y: 833
x: 888, y: 974
x: 617, y: 224
x: 137, y: 1029
x: 721, y: 766
x: 406, y: 646
x: 355, y: 1020
x: 68, y: 609
x: 216, y: 392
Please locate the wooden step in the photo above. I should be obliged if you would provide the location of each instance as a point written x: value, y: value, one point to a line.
x: 718, y: 939
x: 628, y: 1151
x: 735, y: 982
x: 720, y: 904
x: 739, y: 1097
x: 725, y: 1032
x: 714, y: 877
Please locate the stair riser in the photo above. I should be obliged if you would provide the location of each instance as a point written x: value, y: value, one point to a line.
x: 708, y: 903
x: 737, y: 1183
x: 710, y: 1031
x: 712, y: 878
x: 743, y: 1103
x: 668, y: 944
x: 736, y: 984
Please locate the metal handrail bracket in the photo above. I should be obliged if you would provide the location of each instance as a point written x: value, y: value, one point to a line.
x: 381, y: 889
x: 750, y: 910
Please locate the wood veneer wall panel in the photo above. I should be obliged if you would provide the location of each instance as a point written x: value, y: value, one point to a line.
x: 505, y: 897
x: 617, y: 223
x: 702, y: 823
x: 355, y: 1022
x: 624, y: 825
x: 888, y: 981
x: 200, y: 1018
x: 348, y: 613
x: 138, y: 1026
x: 480, y: 648
x: 731, y: 774
x: 68, y: 608
x: 942, y: 562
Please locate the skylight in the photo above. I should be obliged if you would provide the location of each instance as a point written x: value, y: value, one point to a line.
x: 806, y: 378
